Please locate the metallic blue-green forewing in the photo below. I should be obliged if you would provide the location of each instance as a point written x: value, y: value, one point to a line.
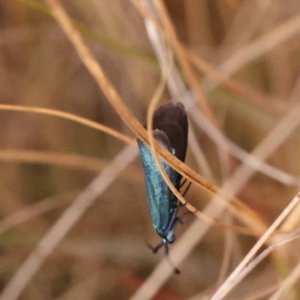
x: 158, y: 191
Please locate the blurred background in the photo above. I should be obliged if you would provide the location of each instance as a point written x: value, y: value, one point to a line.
x: 46, y: 162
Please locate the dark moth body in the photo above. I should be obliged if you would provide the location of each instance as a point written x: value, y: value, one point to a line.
x: 170, y: 129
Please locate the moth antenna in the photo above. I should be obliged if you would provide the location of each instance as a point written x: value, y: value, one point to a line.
x: 166, y: 252
x: 156, y: 248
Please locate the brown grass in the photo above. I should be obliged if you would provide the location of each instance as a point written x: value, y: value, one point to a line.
x: 233, y: 64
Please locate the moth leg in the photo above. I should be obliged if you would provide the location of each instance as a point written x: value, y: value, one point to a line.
x: 173, y: 220
x: 181, y: 217
x: 182, y: 183
x: 184, y: 193
x: 186, y: 189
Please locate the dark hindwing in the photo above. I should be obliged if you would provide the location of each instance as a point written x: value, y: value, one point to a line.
x: 158, y: 192
x: 172, y: 120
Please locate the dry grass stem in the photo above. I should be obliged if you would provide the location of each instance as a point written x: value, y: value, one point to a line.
x: 108, y: 65
x: 71, y: 117
x: 233, y: 279
x: 65, y: 223
x: 261, y: 46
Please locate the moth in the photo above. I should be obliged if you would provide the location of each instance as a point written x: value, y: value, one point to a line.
x: 170, y: 130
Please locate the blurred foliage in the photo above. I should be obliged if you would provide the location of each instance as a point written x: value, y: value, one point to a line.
x: 104, y: 256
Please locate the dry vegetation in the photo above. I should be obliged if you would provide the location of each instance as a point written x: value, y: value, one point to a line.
x: 74, y: 215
